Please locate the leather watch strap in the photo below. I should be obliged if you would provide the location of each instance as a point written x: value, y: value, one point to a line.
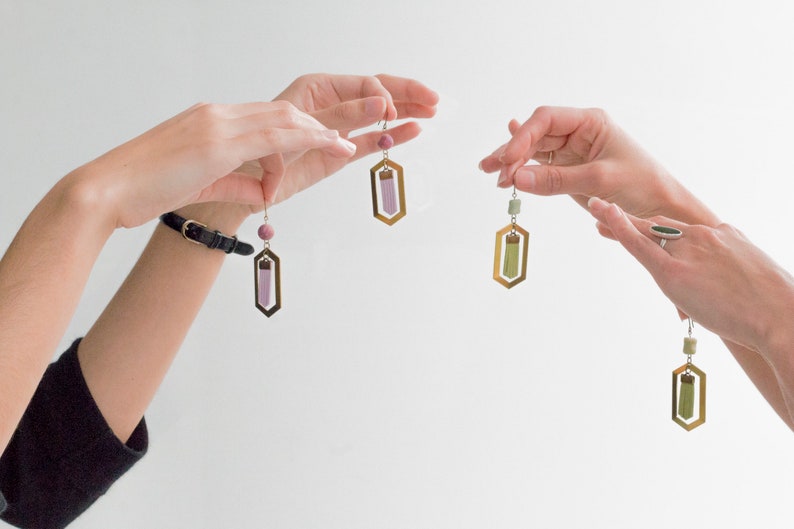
x: 198, y: 233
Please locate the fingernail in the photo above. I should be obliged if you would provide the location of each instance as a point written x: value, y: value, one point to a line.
x: 479, y: 165
x: 526, y: 180
x: 503, y: 177
x: 595, y: 201
x: 349, y: 145
x: 331, y: 134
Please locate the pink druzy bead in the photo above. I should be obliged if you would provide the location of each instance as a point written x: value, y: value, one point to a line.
x: 386, y: 142
x: 266, y: 232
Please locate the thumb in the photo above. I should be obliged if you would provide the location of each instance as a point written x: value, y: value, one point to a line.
x: 559, y: 179
x: 273, y: 170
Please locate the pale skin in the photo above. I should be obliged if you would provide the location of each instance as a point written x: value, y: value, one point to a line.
x: 213, y: 163
x: 713, y: 273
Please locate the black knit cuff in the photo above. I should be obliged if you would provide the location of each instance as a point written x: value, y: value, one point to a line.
x: 63, y: 455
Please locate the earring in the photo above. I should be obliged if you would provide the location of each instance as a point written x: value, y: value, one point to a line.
x: 267, y: 273
x: 510, y: 254
x: 689, y: 386
x: 388, y: 188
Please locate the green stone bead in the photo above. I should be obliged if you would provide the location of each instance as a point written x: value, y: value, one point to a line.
x: 515, y: 207
x: 690, y: 346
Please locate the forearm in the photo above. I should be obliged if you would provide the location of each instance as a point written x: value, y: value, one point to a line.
x: 775, y: 343
x: 42, y: 276
x: 774, y: 383
x: 126, y: 354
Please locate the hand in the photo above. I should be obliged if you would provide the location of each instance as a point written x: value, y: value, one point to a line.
x: 592, y: 157
x: 715, y: 275
x: 345, y: 103
x: 192, y: 158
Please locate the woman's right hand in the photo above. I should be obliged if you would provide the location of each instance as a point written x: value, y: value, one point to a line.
x: 592, y: 157
x: 192, y: 158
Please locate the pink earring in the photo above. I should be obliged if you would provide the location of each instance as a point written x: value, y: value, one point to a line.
x: 267, y: 273
x: 388, y: 187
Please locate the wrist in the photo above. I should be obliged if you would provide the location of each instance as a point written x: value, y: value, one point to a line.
x: 197, y: 232
x: 686, y: 207
x: 84, y: 199
x: 221, y: 216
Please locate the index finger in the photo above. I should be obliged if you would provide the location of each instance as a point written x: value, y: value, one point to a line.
x: 404, y: 97
x: 405, y: 89
x: 414, y: 98
x: 624, y: 227
x: 545, y: 121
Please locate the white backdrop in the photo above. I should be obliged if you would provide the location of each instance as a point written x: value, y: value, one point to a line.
x: 400, y: 386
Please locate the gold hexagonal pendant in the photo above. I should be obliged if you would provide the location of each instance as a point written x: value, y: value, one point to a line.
x: 388, y: 191
x: 267, y: 282
x: 510, y: 255
x: 699, y: 387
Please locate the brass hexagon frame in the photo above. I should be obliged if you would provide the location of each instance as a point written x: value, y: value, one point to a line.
x: 497, y: 258
x: 701, y: 397
x: 373, y: 174
x: 276, y: 263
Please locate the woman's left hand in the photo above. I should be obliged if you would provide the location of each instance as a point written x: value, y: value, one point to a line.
x: 345, y: 103
x: 714, y: 275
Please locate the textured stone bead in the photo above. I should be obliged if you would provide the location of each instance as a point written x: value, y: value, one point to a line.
x: 266, y: 232
x: 514, y: 208
x: 690, y: 346
x: 386, y: 142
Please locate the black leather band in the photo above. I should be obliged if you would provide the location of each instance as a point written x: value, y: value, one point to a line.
x: 198, y: 233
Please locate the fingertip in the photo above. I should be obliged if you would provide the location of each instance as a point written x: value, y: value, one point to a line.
x: 599, y: 209
x: 525, y: 180
x: 604, y: 231
x: 595, y: 202
x: 489, y: 164
x: 405, y: 132
x: 341, y: 148
x: 391, y: 109
x: 508, y: 157
x: 504, y: 178
x: 434, y: 97
x: 348, y: 145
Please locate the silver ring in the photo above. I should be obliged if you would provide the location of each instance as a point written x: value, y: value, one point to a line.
x: 666, y: 232
x: 551, y: 157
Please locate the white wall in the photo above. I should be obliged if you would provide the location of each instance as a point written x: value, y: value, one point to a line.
x: 400, y: 386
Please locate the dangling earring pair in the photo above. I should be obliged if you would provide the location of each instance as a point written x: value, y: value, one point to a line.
x: 388, y: 206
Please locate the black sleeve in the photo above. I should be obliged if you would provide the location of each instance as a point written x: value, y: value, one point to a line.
x: 63, y: 455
